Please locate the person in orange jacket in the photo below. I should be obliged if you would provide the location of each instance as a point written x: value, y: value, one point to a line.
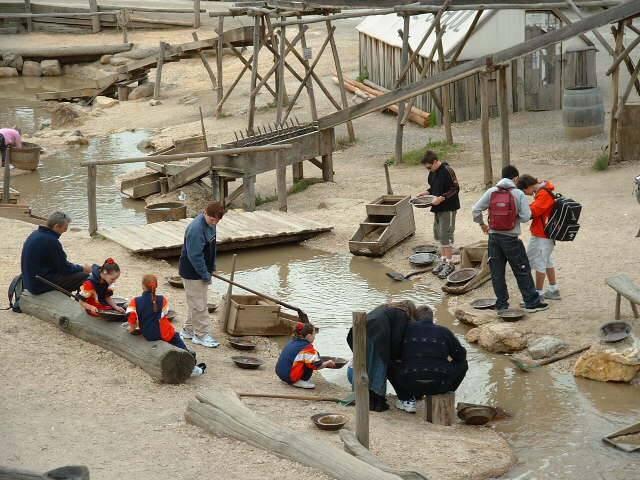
x: 540, y: 246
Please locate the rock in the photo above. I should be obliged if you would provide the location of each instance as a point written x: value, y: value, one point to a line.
x: 45, y: 123
x: 64, y: 114
x: 6, y: 72
x: 77, y: 133
x: 76, y: 140
x: 142, y: 91
x: 501, y: 338
x: 544, y: 347
x: 12, y: 60
x: 31, y: 69
x: 105, y: 102
x: 51, y: 68
x: 146, y: 144
x: 473, y: 335
x: 154, y: 102
x: 117, y: 61
x: 611, y: 362
x: 471, y: 316
x: 106, y: 59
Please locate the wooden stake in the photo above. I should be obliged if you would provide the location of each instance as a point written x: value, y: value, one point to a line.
x: 404, y: 58
x: 446, y: 104
x: 92, y: 181
x: 95, y: 19
x: 504, y: 115
x: 308, y: 83
x: 388, y: 179
x: 219, y: 55
x: 281, y: 181
x: 196, y: 14
x: 343, y: 93
x: 281, y: 87
x: 254, y: 74
x: 156, y: 88
x: 484, y: 128
x: 360, y: 377
x: 618, y: 35
x: 227, y: 300
x: 6, y: 190
x: 27, y: 9
x: 205, y: 63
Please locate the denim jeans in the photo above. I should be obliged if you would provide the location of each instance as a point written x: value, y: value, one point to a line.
x: 507, y: 248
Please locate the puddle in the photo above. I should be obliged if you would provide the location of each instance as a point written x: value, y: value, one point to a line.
x: 558, y: 420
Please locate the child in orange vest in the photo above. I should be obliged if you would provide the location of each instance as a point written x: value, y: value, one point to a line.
x: 96, y: 290
x: 147, y: 315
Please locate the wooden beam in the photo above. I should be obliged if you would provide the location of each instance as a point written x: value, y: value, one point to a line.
x: 343, y: 93
x: 404, y: 59
x: 433, y: 5
x: 446, y: 103
x: 563, y: 18
x: 95, y: 19
x: 620, y: 12
x: 627, y: 90
x: 339, y: 16
x: 360, y: 377
x: 414, y: 54
x: 484, y: 129
x: 504, y: 115
x: 619, y: 58
x: 280, y: 70
x: 467, y: 36
x: 27, y: 9
x: 196, y: 14
x: 595, y: 32
x: 205, y: 63
x: 219, y: 55
x: 615, y: 85
x: 309, y: 83
x: 156, y: 87
x: 281, y: 182
x: 254, y: 71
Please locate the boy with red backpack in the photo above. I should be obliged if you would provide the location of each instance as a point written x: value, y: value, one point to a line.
x: 508, y: 208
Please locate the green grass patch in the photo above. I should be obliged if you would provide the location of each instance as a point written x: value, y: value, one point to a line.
x: 601, y: 163
x: 441, y: 147
x: 364, y: 75
x: 260, y: 200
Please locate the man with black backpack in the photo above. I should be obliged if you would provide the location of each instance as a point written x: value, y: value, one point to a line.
x: 508, y: 208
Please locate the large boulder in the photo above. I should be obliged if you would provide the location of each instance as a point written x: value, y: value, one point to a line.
x: 51, y: 68
x: 31, y: 69
x: 12, y: 60
x: 545, y: 346
x: 105, y: 102
x: 499, y: 337
x: 142, y: 91
x: 6, y: 72
x: 612, y: 362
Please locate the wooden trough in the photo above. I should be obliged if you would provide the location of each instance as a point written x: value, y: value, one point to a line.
x: 389, y: 221
x: 252, y: 315
x: 164, y: 362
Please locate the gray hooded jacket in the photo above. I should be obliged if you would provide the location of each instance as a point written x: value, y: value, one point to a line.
x: 524, y: 212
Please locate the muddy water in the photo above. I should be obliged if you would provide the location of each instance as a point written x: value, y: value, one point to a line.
x: 60, y: 182
x: 558, y: 420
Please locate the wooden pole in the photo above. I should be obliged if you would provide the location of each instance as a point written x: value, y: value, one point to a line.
x: 466, y: 37
x: 360, y: 377
x: 309, y: 82
x: 327, y: 167
x: 254, y: 73
x: 196, y: 14
x: 92, y: 184
x: 95, y: 19
x: 444, y: 96
x: 281, y: 87
x: 249, y: 183
x: 227, y: 298
x: 6, y: 190
x: 504, y: 115
x: 484, y: 128
x: 123, y: 19
x: 205, y: 63
x: 404, y: 59
x: 27, y: 9
x: 388, y: 179
x: 595, y: 32
x: 281, y: 182
x: 219, y: 55
x: 618, y: 35
x: 156, y: 87
x: 343, y: 92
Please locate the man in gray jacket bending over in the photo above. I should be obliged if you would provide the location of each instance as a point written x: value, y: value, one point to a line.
x: 505, y: 244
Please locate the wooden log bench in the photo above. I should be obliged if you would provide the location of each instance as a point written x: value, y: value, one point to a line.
x: 627, y: 288
x: 438, y: 409
x: 162, y: 361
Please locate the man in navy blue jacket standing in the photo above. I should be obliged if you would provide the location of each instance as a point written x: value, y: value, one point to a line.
x: 197, y: 262
x: 43, y: 255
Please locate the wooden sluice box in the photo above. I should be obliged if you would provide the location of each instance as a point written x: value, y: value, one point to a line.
x: 252, y: 315
x: 389, y: 221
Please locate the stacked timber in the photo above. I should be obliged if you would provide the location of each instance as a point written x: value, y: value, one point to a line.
x: 366, y: 92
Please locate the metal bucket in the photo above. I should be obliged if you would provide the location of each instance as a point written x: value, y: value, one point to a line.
x: 27, y: 157
x: 165, y: 212
x: 582, y: 112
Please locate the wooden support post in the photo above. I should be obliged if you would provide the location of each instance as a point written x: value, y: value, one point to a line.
x: 95, y: 19
x: 343, y: 92
x: 219, y: 55
x: 249, y: 183
x: 281, y: 181
x: 618, y: 300
x: 280, y: 79
x: 123, y: 93
x: 360, y: 377
x: 254, y: 74
x: 504, y: 115
x: 205, y: 63
x: 327, y: 167
x: 297, y: 170
x: 156, y: 88
x: 92, y: 186
x: 439, y: 409
x: 388, y: 179
x: 123, y: 21
x: 309, y: 83
x: 484, y: 129
x: 227, y: 298
x: 6, y: 190
x: 196, y: 14
x: 404, y: 59
x: 618, y: 35
x: 446, y: 103
x: 27, y: 9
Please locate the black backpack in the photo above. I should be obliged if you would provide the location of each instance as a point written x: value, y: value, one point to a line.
x: 563, y: 225
x: 15, y: 292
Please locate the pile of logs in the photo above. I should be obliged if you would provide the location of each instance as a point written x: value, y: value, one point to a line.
x: 367, y: 91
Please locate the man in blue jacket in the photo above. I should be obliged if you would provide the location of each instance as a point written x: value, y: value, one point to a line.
x: 42, y: 254
x: 197, y: 262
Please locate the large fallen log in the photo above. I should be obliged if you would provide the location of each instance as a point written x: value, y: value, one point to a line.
x: 162, y: 361
x: 68, y: 54
x: 73, y: 472
x: 222, y: 413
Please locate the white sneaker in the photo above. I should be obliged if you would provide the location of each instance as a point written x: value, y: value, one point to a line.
x: 186, y: 334
x: 304, y: 384
x: 408, y: 406
x: 552, y: 295
x: 197, y: 371
x: 206, y: 341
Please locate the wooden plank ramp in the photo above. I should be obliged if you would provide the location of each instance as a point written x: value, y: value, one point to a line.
x: 237, y: 230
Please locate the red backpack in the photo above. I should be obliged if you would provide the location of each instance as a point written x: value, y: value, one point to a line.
x: 503, y: 213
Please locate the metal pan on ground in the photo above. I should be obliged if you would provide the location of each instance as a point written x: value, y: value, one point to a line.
x: 462, y: 276
x: 423, y: 259
x: 511, y: 314
x: 483, y: 303
x: 175, y: 281
x: 476, y: 414
x: 422, y: 202
x: 329, y: 421
x: 120, y: 301
x: 212, y: 307
x: 247, y: 363
x: 615, y: 331
x: 241, y: 344
x: 113, y: 316
x: 340, y: 362
x: 425, y: 249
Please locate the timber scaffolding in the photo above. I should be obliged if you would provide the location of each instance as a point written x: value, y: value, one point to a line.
x: 272, y: 37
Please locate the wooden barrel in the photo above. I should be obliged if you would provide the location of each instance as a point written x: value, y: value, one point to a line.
x: 582, y: 112
x: 165, y: 212
x: 27, y: 157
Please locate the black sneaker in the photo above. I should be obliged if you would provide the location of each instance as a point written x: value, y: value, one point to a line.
x: 447, y: 270
x: 538, y: 307
x: 438, y: 268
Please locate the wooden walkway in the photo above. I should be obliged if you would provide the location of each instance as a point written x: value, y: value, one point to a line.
x: 237, y: 230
